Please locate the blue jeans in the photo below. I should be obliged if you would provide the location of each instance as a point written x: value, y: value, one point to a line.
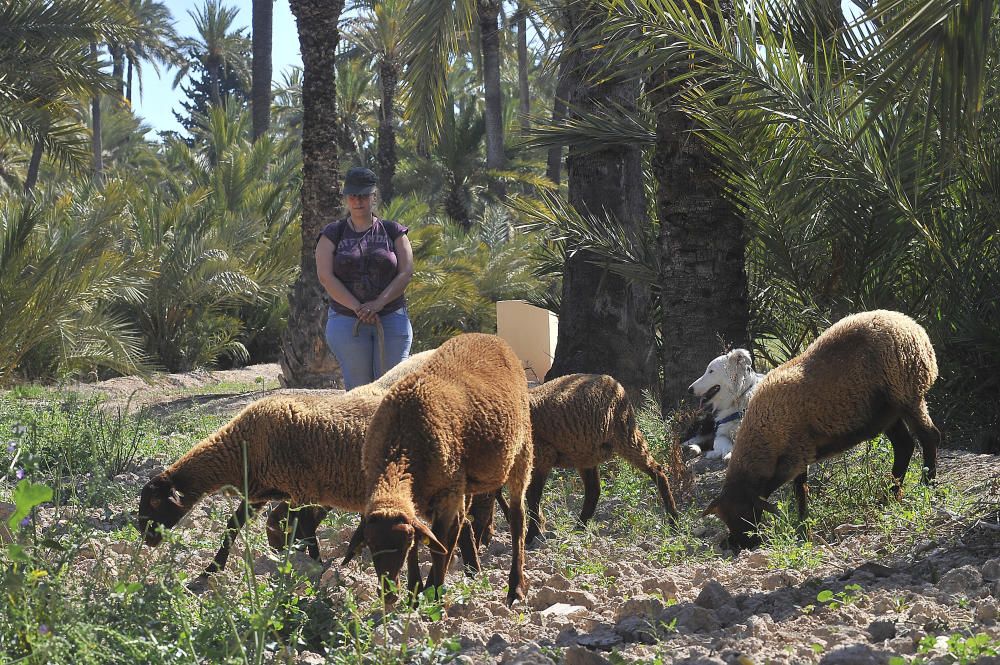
x: 358, y: 356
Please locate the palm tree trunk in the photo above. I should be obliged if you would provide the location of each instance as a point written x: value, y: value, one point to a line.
x: 702, y: 249
x: 386, y: 156
x: 34, y: 165
x: 118, y: 66
x: 95, y: 116
x: 128, y: 83
x: 523, y: 99
x: 553, y: 170
x: 604, y: 321
x: 215, y: 74
x: 489, y: 12
x: 305, y: 359
x: 260, y: 94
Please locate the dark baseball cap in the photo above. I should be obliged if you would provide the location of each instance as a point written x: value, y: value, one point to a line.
x: 360, y: 180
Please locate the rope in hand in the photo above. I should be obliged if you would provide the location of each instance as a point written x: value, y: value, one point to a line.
x: 380, y: 332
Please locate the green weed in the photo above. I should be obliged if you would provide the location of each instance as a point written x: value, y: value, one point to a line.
x: 959, y: 649
x: 851, y: 594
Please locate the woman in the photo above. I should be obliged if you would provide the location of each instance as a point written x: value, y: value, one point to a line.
x: 364, y: 263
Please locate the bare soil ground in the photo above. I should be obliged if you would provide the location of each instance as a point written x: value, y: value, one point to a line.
x: 626, y: 607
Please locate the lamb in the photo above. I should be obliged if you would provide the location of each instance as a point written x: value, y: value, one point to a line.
x: 582, y: 420
x: 459, y: 426
x: 868, y: 373
x: 305, y: 449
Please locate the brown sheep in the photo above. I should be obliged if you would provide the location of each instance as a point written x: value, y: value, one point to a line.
x: 459, y: 426
x: 868, y: 373
x: 579, y: 421
x: 309, y: 517
x: 305, y: 449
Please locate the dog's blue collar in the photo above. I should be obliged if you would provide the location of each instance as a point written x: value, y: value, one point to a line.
x: 737, y: 415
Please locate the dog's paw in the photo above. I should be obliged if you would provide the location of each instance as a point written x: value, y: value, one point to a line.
x: 722, y: 449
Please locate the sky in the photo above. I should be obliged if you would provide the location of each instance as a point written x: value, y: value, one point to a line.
x: 159, y: 99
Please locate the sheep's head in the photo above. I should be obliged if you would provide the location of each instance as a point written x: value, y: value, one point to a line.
x: 742, y: 512
x: 389, y: 538
x: 160, y: 504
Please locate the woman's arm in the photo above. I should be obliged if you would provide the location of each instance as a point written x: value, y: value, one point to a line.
x: 404, y: 266
x: 324, y: 271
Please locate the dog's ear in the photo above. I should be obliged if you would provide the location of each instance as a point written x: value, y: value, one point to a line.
x: 740, y: 358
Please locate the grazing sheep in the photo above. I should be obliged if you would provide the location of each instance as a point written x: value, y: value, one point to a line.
x: 579, y: 421
x: 309, y: 518
x: 304, y: 449
x: 868, y: 373
x: 459, y: 426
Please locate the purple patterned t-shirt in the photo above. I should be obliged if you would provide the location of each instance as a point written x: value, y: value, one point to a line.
x: 365, y: 262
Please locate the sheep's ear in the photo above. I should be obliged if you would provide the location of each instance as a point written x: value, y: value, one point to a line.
x: 768, y: 506
x: 356, y: 544
x: 713, y: 508
x: 175, y: 498
x: 427, y: 537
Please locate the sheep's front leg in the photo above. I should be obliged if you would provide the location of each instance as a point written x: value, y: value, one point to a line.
x: 533, y: 497
x: 591, y: 492
x: 446, y: 526
x: 902, y: 453
x: 517, y: 481
x: 635, y: 450
x: 655, y: 471
x: 801, y: 483
x: 930, y: 438
x: 236, y: 522
x: 414, y: 582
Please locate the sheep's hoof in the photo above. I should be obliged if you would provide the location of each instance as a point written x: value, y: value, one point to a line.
x: 519, y: 592
x: 537, y: 542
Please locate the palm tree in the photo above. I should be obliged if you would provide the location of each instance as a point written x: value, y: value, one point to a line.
x: 523, y: 99
x: 436, y: 26
x: 217, y: 233
x: 305, y: 360
x: 356, y: 110
x: 489, y: 35
x: 702, y: 248
x: 61, y: 275
x: 604, y: 321
x: 218, y: 46
x: 380, y: 35
x: 855, y: 196
x: 260, y: 91
x: 154, y: 42
x: 46, y: 68
x: 95, y: 115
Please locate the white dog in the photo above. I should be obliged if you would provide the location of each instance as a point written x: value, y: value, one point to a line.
x: 726, y: 386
